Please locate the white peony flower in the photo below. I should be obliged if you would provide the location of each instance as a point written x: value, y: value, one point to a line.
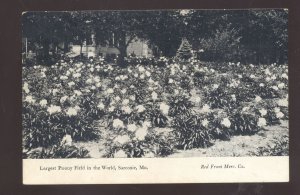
x: 25, y: 87
x: 43, y: 102
x: 122, y: 139
x: 154, y: 95
x: 279, y: 115
x: 67, y: 140
x: 54, y: 109
x: 141, y: 132
x: 206, y: 108
x: 252, y: 76
x: 55, y: 91
x: 148, y: 74
x: 77, y: 75
x: 267, y: 72
x: 117, y: 123
x: 283, y: 102
x: 117, y: 98
x: 205, y: 122
x: 63, y: 77
x: 150, y: 81
x: 215, y: 86
x: 30, y: 99
x: 71, y: 84
x: 261, y: 122
x: 257, y: 98
x: 132, y: 127
x: 136, y: 75
x: 123, y: 91
x: 63, y: 99
x: 226, y: 122
x: 89, y: 81
x: 71, y: 112
x: 197, y: 99
x: 101, y: 106
x: 275, y: 88
x: 111, y: 108
x: 77, y: 92
x: 132, y: 97
x: 146, y: 124
x: 125, y: 101
x: 171, y: 81
x: 263, y: 112
x: 164, y: 108
x: 142, y: 76
x: 233, y: 97
x: 140, y: 108
x: 126, y: 109
x: 261, y: 85
x: 276, y: 110
x: 93, y: 87
x: 98, y: 85
x: 281, y: 85
x: 120, y: 154
x: 97, y: 79
x: 284, y: 75
x: 141, y: 69
x: 109, y: 91
x: 176, y: 92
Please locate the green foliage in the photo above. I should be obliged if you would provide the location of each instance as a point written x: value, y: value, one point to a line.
x: 57, y: 151
x: 244, y: 124
x: 278, y: 147
x: 180, y: 105
x: 190, y: 133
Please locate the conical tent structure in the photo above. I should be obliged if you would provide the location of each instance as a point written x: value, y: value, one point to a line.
x: 184, y: 51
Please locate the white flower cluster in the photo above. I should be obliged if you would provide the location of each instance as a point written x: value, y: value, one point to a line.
x: 226, y: 122
x: 52, y: 109
x: 117, y: 123
x: 261, y: 122
x: 164, y: 108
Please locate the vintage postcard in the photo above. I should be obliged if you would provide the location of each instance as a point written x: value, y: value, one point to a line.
x: 160, y: 96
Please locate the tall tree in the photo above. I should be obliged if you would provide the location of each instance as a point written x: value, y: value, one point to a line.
x: 45, y: 28
x: 124, y: 26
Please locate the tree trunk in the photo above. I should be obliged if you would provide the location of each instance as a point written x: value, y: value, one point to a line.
x: 80, y: 49
x: 121, y: 57
x: 123, y: 50
x: 45, y: 54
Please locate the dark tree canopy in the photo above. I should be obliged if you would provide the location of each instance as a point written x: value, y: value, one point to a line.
x: 249, y: 36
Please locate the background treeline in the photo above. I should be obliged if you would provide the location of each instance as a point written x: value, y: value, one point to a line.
x: 247, y: 36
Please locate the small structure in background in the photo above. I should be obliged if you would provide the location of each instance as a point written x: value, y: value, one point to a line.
x: 137, y: 47
x: 185, y: 50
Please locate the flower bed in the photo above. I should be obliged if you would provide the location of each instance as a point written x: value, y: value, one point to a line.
x: 148, y: 111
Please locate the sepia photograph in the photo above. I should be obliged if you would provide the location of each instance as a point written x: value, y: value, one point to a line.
x: 155, y: 84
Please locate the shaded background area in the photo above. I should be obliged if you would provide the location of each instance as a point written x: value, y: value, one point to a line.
x: 10, y: 79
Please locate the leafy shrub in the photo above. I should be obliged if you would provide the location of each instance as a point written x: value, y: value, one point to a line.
x: 158, y: 119
x: 154, y: 145
x: 39, y: 128
x: 279, y: 147
x: 180, y: 105
x: 190, y: 133
x: 244, y: 124
x: 57, y: 151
